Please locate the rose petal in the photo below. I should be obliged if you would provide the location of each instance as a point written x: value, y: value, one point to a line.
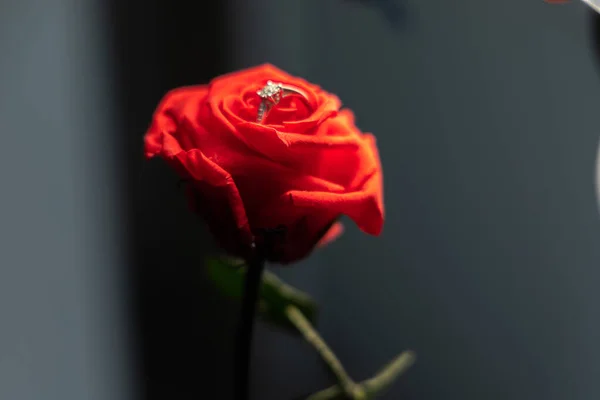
x: 336, y: 230
x: 203, y: 169
x: 167, y: 117
x: 364, y: 205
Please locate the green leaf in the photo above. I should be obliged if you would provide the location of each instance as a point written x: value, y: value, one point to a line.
x: 275, y: 295
x: 227, y: 274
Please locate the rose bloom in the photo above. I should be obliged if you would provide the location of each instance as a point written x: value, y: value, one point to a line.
x: 297, y: 171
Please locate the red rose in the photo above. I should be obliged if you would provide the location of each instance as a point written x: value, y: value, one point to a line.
x: 300, y: 169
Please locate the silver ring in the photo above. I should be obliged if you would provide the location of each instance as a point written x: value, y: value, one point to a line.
x: 271, y: 94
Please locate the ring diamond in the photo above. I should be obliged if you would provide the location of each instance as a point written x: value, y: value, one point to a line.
x: 271, y: 94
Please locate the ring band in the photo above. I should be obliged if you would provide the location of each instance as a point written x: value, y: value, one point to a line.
x: 271, y: 94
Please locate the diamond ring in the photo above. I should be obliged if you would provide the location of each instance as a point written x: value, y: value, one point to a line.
x: 271, y: 94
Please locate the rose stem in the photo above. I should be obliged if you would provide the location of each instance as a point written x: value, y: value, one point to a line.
x: 349, y: 387
x: 376, y: 385
x: 388, y: 374
x: 243, y: 344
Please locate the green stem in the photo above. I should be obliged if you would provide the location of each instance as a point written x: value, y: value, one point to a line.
x: 388, y: 374
x: 376, y: 385
x: 293, y: 295
x: 331, y: 393
x: 349, y: 387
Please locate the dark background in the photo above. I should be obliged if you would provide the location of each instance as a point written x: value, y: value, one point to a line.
x: 486, y: 114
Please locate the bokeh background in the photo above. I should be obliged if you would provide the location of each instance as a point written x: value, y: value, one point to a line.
x: 486, y: 114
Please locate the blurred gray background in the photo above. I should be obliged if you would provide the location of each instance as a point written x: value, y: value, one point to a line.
x: 486, y: 118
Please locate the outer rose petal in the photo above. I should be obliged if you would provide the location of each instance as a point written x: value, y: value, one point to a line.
x: 337, y: 142
x: 364, y: 205
x: 219, y: 201
x: 168, y: 115
x: 336, y: 230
